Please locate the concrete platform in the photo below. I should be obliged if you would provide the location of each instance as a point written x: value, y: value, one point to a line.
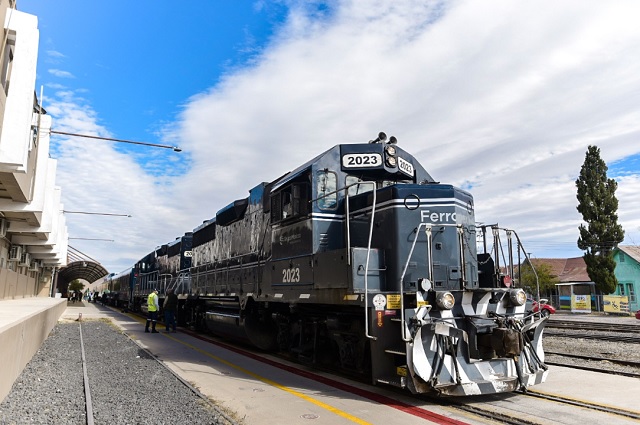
x: 24, y: 325
x: 255, y: 391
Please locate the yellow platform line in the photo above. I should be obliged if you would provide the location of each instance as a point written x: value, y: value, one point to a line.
x: 268, y: 381
x: 275, y: 384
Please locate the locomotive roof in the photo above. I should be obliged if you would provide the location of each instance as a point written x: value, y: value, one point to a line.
x: 333, y: 155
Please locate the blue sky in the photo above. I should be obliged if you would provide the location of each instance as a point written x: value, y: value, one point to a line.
x: 501, y: 97
x: 136, y: 63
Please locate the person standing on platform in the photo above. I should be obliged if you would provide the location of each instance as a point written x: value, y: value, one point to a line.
x: 152, y: 308
x: 170, y: 305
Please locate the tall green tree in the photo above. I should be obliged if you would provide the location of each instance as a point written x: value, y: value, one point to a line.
x: 76, y: 285
x: 598, y: 205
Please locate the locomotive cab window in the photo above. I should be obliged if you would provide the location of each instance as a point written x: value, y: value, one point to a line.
x: 290, y: 202
x: 355, y: 189
x: 326, y: 186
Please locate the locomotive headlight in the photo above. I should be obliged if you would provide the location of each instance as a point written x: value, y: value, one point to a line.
x: 517, y: 296
x: 391, y: 150
x: 445, y: 300
x: 391, y: 161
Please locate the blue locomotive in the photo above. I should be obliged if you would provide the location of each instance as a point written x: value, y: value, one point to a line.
x: 359, y: 259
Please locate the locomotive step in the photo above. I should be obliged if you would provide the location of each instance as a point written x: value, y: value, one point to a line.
x: 395, y: 381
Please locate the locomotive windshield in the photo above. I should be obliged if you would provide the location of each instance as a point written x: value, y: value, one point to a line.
x: 355, y: 189
x: 326, y: 185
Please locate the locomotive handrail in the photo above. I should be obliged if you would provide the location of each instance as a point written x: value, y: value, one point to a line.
x: 406, y: 266
x: 463, y: 264
x: 182, y: 277
x: 428, y: 231
x: 373, y: 212
x: 526, y: 256
x: 366, y: 268
x: 162, y: 281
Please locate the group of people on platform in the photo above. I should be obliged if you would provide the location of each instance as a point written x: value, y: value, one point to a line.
x: 168, y: 307
x: 89, y: 296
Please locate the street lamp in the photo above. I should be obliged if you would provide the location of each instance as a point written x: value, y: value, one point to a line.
x: 92, y: 239
x: 95, y: 213
x: 174, y: 148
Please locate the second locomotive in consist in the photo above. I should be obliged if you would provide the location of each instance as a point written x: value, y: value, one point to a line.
x: 358, y: 258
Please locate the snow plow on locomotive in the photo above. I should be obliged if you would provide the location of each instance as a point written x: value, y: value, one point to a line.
x: 360, y: 259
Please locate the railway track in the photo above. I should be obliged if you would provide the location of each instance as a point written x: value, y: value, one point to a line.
x: 498, y: 408
x: 592, y: 346
x: 623, y: 362
x: 616, y: 332
x: 597, y: 369
x: 583, y: 404
x: 596, y: 336
x: 592, y: 326
x: 87, y: 387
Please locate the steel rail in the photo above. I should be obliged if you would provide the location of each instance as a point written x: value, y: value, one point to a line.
x: 596, y: 359
x: 579, y: 325
x: 585, y: 404
x: 602, y: 337
x: 87, y: 390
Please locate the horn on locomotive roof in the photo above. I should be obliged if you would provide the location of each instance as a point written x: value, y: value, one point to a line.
x: 381, y: 138
x: 392, y: 140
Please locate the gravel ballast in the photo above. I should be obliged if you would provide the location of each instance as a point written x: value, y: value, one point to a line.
x: 127, y: 385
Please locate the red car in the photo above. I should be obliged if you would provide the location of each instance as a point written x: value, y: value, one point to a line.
x: 547, y: 309
x: 638, y: 314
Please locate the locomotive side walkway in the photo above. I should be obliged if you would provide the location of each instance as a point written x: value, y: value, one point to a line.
x: 259, y: 395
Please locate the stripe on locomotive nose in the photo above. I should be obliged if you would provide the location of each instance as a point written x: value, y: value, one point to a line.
x: 474, y: 303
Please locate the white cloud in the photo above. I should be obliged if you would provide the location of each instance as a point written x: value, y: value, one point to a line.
x: 55, y: 54
x: 505, y: 96
x: 97, y: 177
x: 61, y: 74
x: 500, y: 96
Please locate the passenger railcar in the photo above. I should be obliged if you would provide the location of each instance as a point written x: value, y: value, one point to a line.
x: 119, y: 287
x: 359, y: 258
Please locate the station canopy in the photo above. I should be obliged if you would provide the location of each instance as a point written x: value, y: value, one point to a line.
x: 84, y: 270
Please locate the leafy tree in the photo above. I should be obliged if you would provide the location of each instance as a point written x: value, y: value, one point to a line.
x: 76, y: 285
x: 598, y: 205
x: 546, y: 278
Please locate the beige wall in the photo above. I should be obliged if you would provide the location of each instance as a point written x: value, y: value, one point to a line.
x: 20, y: 339
x: 15, y: 285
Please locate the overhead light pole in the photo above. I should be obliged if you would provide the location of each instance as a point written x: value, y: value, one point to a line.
x: 96, y: 213
x: 133, y: 142
x: 92, y: 239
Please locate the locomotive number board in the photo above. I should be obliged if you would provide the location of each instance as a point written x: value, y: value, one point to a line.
x: 361, y: 160
x: 405, y: 166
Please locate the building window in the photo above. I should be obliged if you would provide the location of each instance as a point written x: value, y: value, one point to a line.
x: 632, y: 293
x: 621, y: 289
x: 7, y: 62
x: 33, y: 140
